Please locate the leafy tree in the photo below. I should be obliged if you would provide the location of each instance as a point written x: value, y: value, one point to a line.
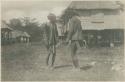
x: 29, y: 25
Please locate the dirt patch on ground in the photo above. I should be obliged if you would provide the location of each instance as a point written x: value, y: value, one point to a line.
x: 26, y: 62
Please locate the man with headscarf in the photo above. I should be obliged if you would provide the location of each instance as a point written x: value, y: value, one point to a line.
x: 50, y: 38
x: 74, y: 37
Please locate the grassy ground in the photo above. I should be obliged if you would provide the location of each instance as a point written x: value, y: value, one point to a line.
x: 27, y: 62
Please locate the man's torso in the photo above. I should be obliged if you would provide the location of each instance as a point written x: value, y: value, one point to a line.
x: 77, y: 29
x: 51, y: 33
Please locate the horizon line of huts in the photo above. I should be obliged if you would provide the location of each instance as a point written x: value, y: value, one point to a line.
x: 102, y: 21
x: 9, y: 35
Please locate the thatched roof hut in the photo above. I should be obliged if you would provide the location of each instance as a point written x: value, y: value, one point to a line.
x: 17, y: 33
x: 96, y: 15
x: 100, y: 19
x: 20, y: 36
x: 5, y: 33
x: 94, y: 5
x: 5, y: 27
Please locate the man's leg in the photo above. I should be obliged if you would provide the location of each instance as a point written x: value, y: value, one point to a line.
x: 53, y: 55
x: 48, y: 55
x: 74, y: 55
x: 47, y: 59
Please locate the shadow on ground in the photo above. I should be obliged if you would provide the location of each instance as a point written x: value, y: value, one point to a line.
x: 62, y: 66
x: 87, y: 67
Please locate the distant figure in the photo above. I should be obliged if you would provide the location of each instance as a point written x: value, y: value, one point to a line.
x: 60, y: 28
x: 75, y: 37
x: 50, y: 38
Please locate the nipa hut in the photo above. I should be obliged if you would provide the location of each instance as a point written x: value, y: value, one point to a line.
x: 101, y: 21
x: 20, y: 36
x: 6, y: 33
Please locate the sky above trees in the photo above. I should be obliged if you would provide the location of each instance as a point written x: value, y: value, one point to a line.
x: 38, y: 9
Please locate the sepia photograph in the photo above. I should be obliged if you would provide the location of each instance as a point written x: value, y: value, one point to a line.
x: 66, y: 40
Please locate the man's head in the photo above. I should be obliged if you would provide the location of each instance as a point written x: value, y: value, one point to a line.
x: 52, y: 17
